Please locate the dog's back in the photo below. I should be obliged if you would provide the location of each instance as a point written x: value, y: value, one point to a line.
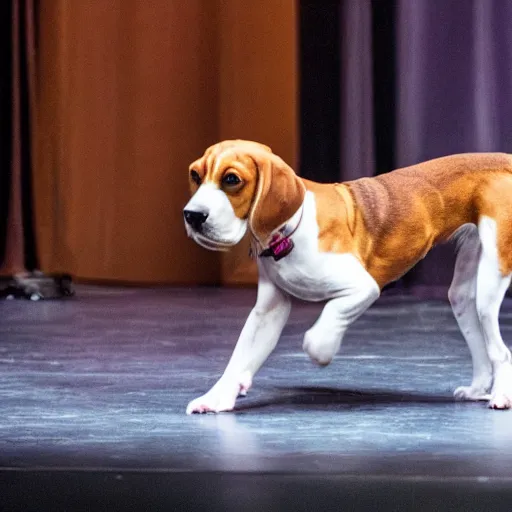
x: 407, y: 211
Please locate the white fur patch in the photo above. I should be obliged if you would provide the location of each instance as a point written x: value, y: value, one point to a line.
x: 309, y: 274
x: 222, y: 229
x: 491, y: 288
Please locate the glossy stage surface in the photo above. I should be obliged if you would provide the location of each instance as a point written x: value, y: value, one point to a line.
x: 93, y: 393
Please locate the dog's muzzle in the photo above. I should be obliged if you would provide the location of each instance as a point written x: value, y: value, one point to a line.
x: 195, y: 219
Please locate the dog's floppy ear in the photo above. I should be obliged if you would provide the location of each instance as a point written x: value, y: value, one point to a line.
x: 279, y: 194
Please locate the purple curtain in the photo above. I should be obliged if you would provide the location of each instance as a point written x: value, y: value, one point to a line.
x: 454, y: 77
x: 356, y: 119
x: 453, y: 92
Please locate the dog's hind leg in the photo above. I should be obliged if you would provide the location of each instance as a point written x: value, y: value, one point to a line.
x: 462, y: 296
x: 493, y: 280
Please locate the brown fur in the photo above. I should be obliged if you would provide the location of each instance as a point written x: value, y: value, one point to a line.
x: 270, y: 193
x: 335, y: 215
x: 390, y: 221
x: 211, y: 170
x: 495, y: 201
x: 280, y: 194
x: 402, y: 214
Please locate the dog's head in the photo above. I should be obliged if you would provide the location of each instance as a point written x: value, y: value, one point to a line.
x: 238, y: 185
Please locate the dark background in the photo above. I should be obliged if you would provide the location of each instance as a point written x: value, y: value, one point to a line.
x: 104, y: 104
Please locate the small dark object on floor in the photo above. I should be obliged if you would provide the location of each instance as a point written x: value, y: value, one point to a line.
x: 36, y: 286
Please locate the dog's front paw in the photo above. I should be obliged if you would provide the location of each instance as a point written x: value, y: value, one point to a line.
x: 471, y: 393
x: 319, y: 347
x: 222, y: 396
x: 211, y: 402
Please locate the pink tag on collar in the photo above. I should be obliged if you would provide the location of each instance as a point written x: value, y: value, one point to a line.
x: 279, y: 247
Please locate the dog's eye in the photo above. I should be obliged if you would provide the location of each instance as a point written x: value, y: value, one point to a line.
x: 194, y: 176
x: 231, y: 180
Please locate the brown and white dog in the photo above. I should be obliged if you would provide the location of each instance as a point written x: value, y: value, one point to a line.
x: 342, y: 242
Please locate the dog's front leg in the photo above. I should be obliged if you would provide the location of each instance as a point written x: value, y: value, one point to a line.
x: 258, y: 338
x: 323, y: 340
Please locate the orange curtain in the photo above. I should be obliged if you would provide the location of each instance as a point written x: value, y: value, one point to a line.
x: 129, y: 93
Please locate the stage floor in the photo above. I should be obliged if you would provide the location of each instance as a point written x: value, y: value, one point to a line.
x: 93, y: 394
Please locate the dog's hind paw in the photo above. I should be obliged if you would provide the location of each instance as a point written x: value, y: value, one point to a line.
x: 471, y: 393
x: 501, y: 397
x: 500, y: 401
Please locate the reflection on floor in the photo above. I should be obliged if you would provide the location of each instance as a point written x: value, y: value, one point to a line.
x: 94, y: 389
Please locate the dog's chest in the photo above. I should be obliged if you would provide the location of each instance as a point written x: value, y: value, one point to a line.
x: 307, y: 273
x: 313, y: 276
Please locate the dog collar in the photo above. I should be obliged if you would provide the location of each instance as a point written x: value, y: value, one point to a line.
x: 281, y: 244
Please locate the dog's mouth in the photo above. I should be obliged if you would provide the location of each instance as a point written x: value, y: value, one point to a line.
x: 210, y: 243
x: 217, y: 238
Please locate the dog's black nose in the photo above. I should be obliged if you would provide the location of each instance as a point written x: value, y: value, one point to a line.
x: 195, y: 219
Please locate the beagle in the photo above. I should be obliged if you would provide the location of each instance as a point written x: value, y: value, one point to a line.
x: 341, y: 243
